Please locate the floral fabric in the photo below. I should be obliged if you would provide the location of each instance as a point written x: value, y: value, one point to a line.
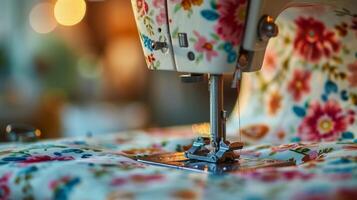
x: 96, y: 168
x: 306, y: 90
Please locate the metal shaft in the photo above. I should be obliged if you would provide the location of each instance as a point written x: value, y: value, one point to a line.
x: 216, y: 109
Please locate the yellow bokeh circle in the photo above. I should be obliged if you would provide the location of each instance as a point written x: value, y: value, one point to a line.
x: 69, y: 12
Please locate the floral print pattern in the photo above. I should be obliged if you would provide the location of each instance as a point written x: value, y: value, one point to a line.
x: 203, y: 46
x: 325, y: 122
x: 231, y: 20
x: 313, y: 40
x: 300, y: 84
x: 270, y: 60
x: 46, y: 158
x: 218, y: 47
x: 186, y: 5
x: 161, y: 16
x: 142, y: 7
x: 306, y: 90
x: 274, y: 103
x: 63, y: 186
x: 326, y: 167
x: 152, y: 62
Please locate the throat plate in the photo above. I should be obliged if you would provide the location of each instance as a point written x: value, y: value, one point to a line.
x: 179, y: 161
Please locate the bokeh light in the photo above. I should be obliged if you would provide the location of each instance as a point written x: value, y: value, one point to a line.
x: 124, y: 56
x: 69, y: 12
x: 41, y: 18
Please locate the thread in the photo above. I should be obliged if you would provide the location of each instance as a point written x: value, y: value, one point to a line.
x: 238, y: 108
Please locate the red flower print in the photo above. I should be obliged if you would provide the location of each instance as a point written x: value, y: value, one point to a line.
x: 299, y: 84
x: 161, y: 16
x: 137, y: 179
x: 150, y: 58
x: 324, y: 122
x: 274, y: 174
x: 4, y: 186
x: 312, y: 155
x: 142, y: 7
x: 340, y: 176
x: 45, y: 158
x: 270, y: 60
x: 141, y: 178
x: 118, y: 181
x: 204, y: 46
x: 352, y: 75
x: 313, y: 40
x: 350, y: 147
x: 231, y: 20
x: 158, y: 3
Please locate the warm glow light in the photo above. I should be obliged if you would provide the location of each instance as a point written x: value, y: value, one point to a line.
x: 124, y: 57
x: 123, y: 62
x: 69, y: 12
x: 41, y: 18
x: 203, y: 129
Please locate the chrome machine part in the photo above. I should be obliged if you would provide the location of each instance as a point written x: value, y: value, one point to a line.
x: 267, y: 28
x: 179, y: 160
x: 216, y: 109
x: 162, y: 46
x: 215, y: 149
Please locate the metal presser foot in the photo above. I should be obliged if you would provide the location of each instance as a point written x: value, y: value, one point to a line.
x: 211, y: 155
x: 215, y: 149
x: 224, y: 153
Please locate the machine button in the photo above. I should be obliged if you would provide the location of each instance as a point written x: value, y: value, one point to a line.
x: 191, y: 56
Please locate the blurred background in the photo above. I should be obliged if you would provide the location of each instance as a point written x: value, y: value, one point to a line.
x: 76, y: 67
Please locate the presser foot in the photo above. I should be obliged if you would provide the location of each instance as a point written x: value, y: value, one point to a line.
x: 200, y: 158
x: 224, y: 152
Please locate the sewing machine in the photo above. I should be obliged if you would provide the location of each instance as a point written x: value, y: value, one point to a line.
x: 198, y: 37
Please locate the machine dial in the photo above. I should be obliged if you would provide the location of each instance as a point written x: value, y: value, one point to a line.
x: 267, y: 28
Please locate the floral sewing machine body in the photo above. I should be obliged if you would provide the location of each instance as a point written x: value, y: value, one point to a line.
x: 213, y: 37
